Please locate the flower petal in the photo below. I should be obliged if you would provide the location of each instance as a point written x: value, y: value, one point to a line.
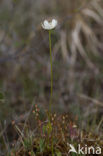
x: 46, y: 23
x: 54, y: 23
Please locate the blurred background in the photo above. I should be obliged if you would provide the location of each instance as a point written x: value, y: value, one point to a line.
x: 77, y: 48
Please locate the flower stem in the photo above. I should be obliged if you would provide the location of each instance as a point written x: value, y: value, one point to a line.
x: 50, y: 104
x: 51, y: 90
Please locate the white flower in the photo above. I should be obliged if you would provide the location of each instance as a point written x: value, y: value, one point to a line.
x: 49, y: 25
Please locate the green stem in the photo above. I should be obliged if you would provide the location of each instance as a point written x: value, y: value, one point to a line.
x: 50, y: 104
x: 51, y: 95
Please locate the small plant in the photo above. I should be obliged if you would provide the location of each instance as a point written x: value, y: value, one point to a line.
x: 49, y: 26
